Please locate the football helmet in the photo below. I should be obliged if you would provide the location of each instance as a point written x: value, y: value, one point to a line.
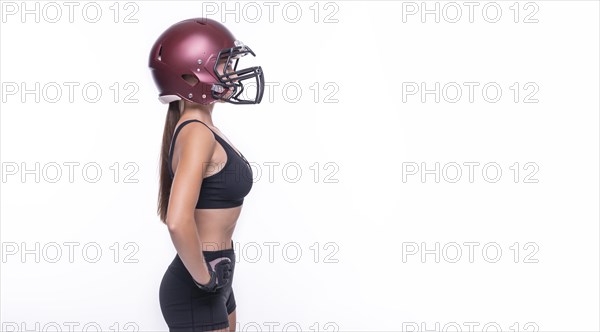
x: 197, y: 60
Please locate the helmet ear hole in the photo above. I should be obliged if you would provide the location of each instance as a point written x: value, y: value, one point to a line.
x: 190, y: 79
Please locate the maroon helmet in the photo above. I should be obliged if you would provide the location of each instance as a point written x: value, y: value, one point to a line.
x: 184, y: 62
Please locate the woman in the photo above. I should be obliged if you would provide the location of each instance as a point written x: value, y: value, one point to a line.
x: 204, y: 178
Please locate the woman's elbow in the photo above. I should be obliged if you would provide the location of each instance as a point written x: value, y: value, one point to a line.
x: 175, y: 222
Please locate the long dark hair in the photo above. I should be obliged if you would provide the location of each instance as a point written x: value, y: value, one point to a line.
x: 173, y: 116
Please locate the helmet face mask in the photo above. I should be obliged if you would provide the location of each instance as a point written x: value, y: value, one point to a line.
x: 197, y: 60
x: 233, y: 79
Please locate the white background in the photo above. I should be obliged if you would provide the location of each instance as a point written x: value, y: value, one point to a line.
x: 370, y: 215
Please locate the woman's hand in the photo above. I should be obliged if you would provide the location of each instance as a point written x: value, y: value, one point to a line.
x: 205, y: 278
x: 219, y: 272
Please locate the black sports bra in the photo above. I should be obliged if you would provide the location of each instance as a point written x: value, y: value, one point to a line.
x: 226, y: 188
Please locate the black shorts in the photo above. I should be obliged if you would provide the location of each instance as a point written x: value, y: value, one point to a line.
x: 185, y: 307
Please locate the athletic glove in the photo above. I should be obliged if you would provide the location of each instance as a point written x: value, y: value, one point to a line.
x: 220, y: 273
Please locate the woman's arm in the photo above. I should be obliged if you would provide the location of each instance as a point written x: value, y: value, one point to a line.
x: 196, y: 147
